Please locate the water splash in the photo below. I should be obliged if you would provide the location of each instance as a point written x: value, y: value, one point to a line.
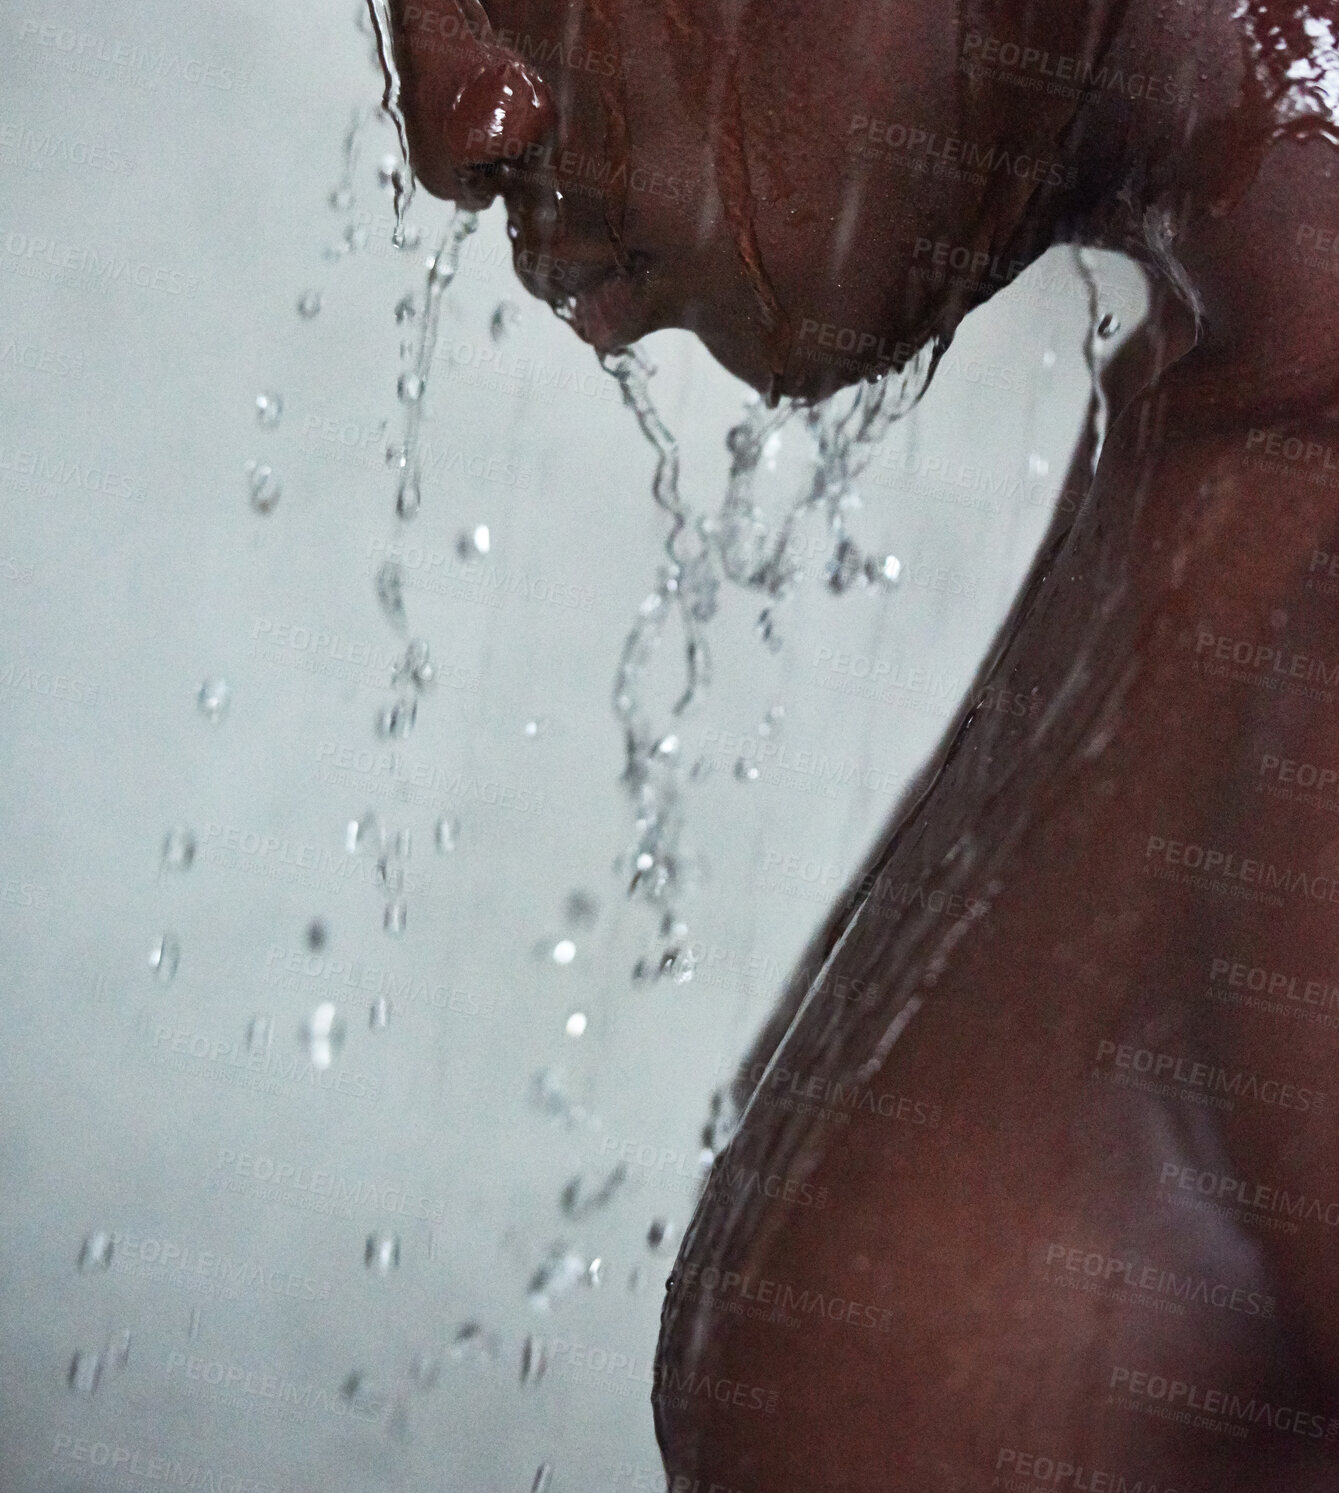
x: 739, y: 545
x: 379, y: 13
x: 403, y: 457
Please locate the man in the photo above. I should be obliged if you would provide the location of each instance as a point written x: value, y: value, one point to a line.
x: 1041, y: 1186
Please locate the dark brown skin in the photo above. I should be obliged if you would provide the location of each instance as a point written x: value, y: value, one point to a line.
x: 1175, y: 647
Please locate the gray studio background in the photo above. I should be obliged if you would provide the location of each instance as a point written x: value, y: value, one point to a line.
x: 186, y: 1298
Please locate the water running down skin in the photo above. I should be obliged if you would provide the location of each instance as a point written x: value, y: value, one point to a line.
x: 1126, y: 814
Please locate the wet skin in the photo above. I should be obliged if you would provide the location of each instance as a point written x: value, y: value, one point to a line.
x: 1080, y: 1187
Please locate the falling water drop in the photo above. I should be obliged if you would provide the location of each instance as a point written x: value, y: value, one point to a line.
x: 390, y: 593
x: 506, y: 315
x: 534, y: 1360
x: 259, y: 1034
x: 659, y: 1233
x: 323, y: 1035
x: 543, y: 1478
x: 178, y: 849
x: 118, y: 1349
x: 362, y: 832
x: 446, y: 833
x: 379, y: 1018
x: 263, y: 486
x: 576, y: 1024
x: 409, y: 497
x: 309, y: 304
x: 95, y: 1255
x: 269, y: 409
x: 213, y: 699
x: 564, y: 951
x: 382, y: 1253
x: 164, y: 958
x: 317, y: 935
x: 396, y: 916
x: 1108, y: 326
x: 85, y: 1372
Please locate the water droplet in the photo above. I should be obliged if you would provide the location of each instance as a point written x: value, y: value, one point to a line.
x: 164, y: 958
x: 85, y: 1372
x: 318, y: 935
x: 213, y: 698
x: 390, y: 592
x: 410, y: 388
x: 263, y: 486
x: 1048, y: 358
x: 178, y: 849
x: 576, y: 1024
x: 843, y: 567
x: 396, y: 916
x: 118, y: 1349
x: 341, y: 199
x: 543, y: 1477
x: 96, y: 1253
x: 396, y: 721
x: 1038, y: 466
x: 659, y: 1232
x: 747, y: 772
x: 506, y: 315
x: 885, y: 572
x: 1108, y: 326
x: 532, y: 729
x: 534, y: 1360
x: 259, y: 1034
x: 361, y: 833
x: 388, y: 168
x: 382, y: 1253
x: 405, y: 310
x: 355, y: 237
x: 447, y: 833
x: 582, y: 909
x: 409, y: 498
x: 415, y: 667
x: 380, y: 1016
x: 471, y: 1341
x: 309, y: 304
x: 323, y: 1033
x: 562, y: 1269
x: 564, y: 951
x: 595, y: 1273
x: 269, y: 409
